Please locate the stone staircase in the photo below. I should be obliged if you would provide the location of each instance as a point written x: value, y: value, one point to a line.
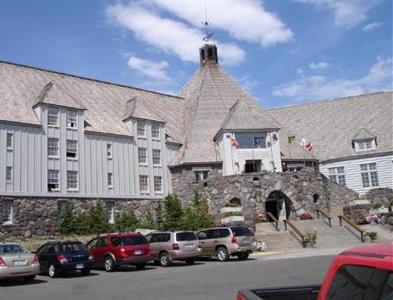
x: 276, y: 241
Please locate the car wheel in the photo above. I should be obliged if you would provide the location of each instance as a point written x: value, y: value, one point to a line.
x: 109, y: 264
x: 242, y: 256
x: 52, y: 272
x: 141, y: 266
x: 190, y: 261
x: 85, y: 272
x: 29, y: 278
x: 222, y: 254
x: 165, y: 260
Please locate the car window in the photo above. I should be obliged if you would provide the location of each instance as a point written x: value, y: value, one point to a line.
x: 214, y: 234
x: 53, y: 249
x: 74, y: 247
x: 350, y: 282
x: 154, y: 238
x: 92, y: 243
x: 241, y: 231
x: 224, y: 232
x: 166, y: 237
x: 12, y: 249
x: 202, y: 235
x: 387, y: 289
x: 185, y: 236
x: 42, y: 249
x: 129, y: 240
x: 102, y: 242
x: 148, y: 237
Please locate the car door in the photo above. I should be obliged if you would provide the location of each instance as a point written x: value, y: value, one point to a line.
x: 101, y: 249
x: 204, y: 237
x: 213, y: 241
x: 92, y: 246
x: 153, y: 239
x: 42, y: 257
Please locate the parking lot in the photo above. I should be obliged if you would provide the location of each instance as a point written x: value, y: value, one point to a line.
x: 204, y: 280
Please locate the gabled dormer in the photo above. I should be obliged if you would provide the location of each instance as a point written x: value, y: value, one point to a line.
x: 364, y: 141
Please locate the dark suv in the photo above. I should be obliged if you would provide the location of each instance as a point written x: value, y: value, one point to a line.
x: 115, y: 249
x: 64, y: 256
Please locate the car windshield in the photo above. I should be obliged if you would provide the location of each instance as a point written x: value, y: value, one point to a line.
x: 12, y: 249
x: 185, y: 236
x: 74, y: 247
x: 241, y: 231
x: 129, y: 240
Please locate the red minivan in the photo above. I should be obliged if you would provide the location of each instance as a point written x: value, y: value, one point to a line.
x: 115, y: 249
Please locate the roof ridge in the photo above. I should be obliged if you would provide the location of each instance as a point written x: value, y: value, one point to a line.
x: 329, y: 100
x: 88, y: 78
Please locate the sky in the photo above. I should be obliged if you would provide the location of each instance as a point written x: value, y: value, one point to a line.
x: 283, y: 52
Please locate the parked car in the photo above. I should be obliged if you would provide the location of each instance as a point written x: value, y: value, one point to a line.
x: 170, y: 246
x: 59, y: 257
x: 357, y: 273
x: 223, y: 242
x: 16, y: 261
x: 115, y: 249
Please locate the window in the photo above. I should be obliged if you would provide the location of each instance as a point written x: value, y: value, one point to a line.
x: 142, y: 155
x: 72, y: 149
x: 143, y: 184
x: 158, y: 184
x: 53, y: 147
x: 53, y: 180
x: 201, y: 175
x: 155, y: 131
x: 53, y: 117
x: 337, y: 175
x: 369, y: 175
x: 259, y: 142
x: 72, y: 180
x: 110, y: 180
x: 109, y: 150
x: 8, y: 174
x: 110, y: 211
x: 141, y: 128
x: 295, y: 167
x: 367, y: 144
x: 71, y: 119
x: 156, y: 157
x: 7, y: 212
x: 387, y: 291
x: 10, y: 140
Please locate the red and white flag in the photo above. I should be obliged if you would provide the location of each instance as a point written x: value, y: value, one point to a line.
x: 234, y: 142
x: 307, y: 145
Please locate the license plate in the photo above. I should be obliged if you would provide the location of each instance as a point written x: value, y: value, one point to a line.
x: 138, y: 252
x: 189, y: 245
x: 19, y: 263
x: 79, y: 266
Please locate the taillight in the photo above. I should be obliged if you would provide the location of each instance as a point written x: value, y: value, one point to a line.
x: 35, y: 259
x: 62, y: 259
x: 2, y: 262
x: 91, y: 257
x: 175, y: 246
x: 240, y: 297
x: 122, y: 250
x: 234, y: 240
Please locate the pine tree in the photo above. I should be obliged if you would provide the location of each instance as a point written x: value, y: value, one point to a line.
x: 159, y: 216
x: 99, y: 221
x: 147, y: 221
x: 173, y: 212
x: 127, y: 221
x: 65, y: 224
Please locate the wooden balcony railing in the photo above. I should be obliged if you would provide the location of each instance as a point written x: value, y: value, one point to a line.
x: 273, y: 220
x: 325, y: 215
x: 296, y: 230
x: 353, y: 225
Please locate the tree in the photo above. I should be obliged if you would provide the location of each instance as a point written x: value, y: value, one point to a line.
x: 127, y: 221
x: 82, y: 223
x: 99, y: 221
x: 66, y: 222
x: 147, y: 221
x: 159, y: 216
x: 196, y: 216
x: 173, y: 212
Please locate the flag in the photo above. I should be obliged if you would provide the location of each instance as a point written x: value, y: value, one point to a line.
x: 234, y: 142
x: 291, y: 139
x: 308, y: 146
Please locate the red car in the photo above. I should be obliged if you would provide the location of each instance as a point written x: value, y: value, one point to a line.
x: 115, y: 249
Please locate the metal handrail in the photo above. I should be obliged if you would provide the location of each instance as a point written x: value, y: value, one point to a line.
x: 321, y: 212
x: 275, y: 221
x: 356, y: 227
x: 296, y: 230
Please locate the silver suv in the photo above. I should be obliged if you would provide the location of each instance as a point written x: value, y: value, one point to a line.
x: 223, y: 242
x: 178, y: 245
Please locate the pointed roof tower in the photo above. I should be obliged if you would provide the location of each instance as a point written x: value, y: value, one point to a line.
x: 210, y: 94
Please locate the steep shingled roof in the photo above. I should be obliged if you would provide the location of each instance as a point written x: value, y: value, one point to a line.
x: 137, y: 108
x: 20, y: 87
x: 331, y: 125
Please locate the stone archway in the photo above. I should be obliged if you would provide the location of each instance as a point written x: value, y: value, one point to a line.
x: 278, y: 204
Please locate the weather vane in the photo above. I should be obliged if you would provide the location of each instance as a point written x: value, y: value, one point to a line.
x: 206, y: 23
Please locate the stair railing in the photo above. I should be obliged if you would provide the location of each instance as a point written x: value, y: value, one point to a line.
x: 353, y: 225
x: 325, y: 215
x: 274, y: 219
x: 296, y: 230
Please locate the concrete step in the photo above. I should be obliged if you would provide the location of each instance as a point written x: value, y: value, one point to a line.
x: 279, y: 242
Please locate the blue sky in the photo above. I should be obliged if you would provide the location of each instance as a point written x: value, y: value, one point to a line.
x: 283, y: 52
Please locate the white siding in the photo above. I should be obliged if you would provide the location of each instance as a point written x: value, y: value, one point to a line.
x: 353, y: 174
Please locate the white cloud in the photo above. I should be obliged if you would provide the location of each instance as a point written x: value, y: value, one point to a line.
x: 346, y: 13
x: 170, y: 36
x: 372, y: 26
x: 151, y: 69
x: 314, y: 87
x: 319, y: 66
x: 245, y: 20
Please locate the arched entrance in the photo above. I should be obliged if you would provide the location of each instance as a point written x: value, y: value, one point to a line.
x: 278, y: 204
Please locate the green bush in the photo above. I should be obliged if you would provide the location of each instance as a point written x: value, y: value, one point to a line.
x: 147, y: 221
x: 98, y: 219
x: 126, y: 222
x: 82, y: 224
x: 159, y: 217
x: 196, y: 216
x: 172, y: 213
x: 65, y: 224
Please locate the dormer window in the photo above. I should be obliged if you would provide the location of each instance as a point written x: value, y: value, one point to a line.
x: 364, y: 145
x: 71, y: 120
x: 53, y: 117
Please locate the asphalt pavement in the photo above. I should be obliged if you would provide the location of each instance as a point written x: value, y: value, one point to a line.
x: 204, y: 280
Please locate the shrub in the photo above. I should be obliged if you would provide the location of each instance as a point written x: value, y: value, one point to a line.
x: 99, y: 221
x: 127, y: 221
x: 147, y: 221
x: 66, y: 222
x: 173, y: 212
x: 82, y: 224
x: 159, y: 216
x: 197, y: 215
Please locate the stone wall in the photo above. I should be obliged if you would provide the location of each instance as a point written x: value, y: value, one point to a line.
x: 307, y: 191
x: 380, y: 196
x: 38, y: 215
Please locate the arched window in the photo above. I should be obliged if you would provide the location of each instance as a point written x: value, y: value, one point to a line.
x: 315, y: 198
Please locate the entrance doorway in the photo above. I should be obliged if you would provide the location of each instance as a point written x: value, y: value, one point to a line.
x: 279, y: 205
x: 252, y: 166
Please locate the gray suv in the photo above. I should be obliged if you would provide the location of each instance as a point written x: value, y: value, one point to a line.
x: 223, y: 242
x: 178, y: 245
